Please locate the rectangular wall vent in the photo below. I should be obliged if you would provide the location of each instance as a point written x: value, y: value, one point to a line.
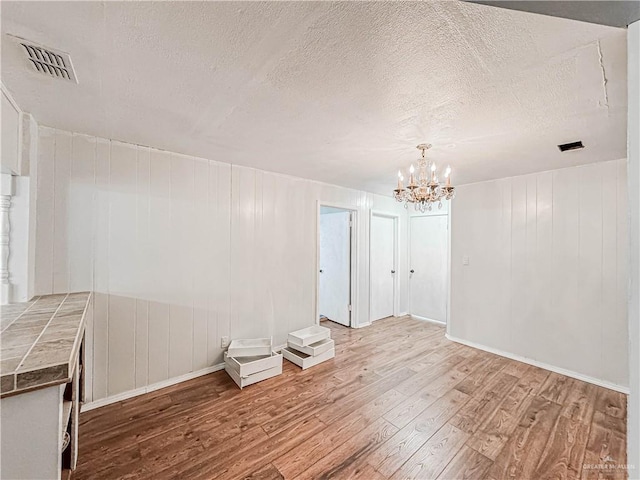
x: 565, y: 147
x: 48, y: 61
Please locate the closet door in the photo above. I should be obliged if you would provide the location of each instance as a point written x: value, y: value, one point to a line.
x: 383, y: 270
x: 428, y: 267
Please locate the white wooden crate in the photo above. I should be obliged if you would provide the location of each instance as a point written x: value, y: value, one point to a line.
x: 305, y: 361
x: 249, y: 347
x: 315, y: 348
x: 309, y: 335
x: 249, y: 370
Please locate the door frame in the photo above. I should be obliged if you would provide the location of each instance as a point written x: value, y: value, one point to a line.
x: 447, y: 280
x: 396, y: 278
x: 354, y: 281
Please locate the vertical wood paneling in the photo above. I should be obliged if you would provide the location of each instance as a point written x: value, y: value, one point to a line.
x: 609, y: 325
x: 143, y: 260
x: 179, y: 253
x: 544, y: 323
x: 122, y: 267
x: 202, y: 271
x: 101, y: 214
x: 101, y: 271
x: 122, y: 218
x: 588, y: 355
x: 122, y: 320
x: 563, y: 239
x: 100, y: 345
x: 519, y: 279
x: 158, y: 342
x: 180, y: 340
x: 565, y: 294
x: 80, y: 212
x: 44, y: 212
x: 143, y: 241
x: 220, y: 300
x: 62, y: 175
x: 142, y: 343
x: 160, y: 253
x: 89, y: 354
x: 182, y: 266
x: 617, y: 353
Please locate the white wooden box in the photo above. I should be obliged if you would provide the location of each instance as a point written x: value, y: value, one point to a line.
x: 315, y: 348
x: 249, y: 370
x: 309, y: 335
x: 249, y: 347
x: 246, y: 366
x: 305, y: 361
x: 255, y: 378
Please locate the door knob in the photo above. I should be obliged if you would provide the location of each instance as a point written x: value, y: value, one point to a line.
x: 393, y: 271
x: 320, y: 270
x: 412, y: 271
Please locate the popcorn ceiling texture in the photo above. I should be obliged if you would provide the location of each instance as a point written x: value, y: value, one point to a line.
x: 337, y: 92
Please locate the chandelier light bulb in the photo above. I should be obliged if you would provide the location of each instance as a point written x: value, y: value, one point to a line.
x: 411, y: 169
x: 447, y: 172
x: 433, y: 167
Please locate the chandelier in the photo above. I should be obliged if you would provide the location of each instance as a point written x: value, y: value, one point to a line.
x: 425, y: 190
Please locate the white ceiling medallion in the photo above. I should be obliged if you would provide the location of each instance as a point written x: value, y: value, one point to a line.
x: 47, y: 61
x: 425, y: 190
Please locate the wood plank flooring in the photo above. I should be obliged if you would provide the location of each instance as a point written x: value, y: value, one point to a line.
x: 399, y: 401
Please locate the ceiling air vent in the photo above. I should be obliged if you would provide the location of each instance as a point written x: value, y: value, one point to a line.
x: 47, y: 61
x: 565, y: 147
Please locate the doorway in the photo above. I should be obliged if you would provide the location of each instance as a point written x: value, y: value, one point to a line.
x: 335, y: 261
x: 429, y: 267
x: 383, y: 265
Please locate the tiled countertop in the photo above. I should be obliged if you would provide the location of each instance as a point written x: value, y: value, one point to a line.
x: 40, y: 340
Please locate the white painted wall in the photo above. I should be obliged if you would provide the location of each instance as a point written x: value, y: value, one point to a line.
x: 633, y: 142
x: 547, y: 273
x: 181, y: 251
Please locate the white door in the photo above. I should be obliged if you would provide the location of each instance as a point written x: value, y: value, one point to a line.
x: 335, y: 266
x: 382, y: 266
x: 428, y: 267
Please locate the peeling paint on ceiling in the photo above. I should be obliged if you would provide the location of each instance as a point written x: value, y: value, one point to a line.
x: 339, y: 92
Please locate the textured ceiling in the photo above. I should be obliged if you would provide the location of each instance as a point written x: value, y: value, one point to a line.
x: 337, y: 92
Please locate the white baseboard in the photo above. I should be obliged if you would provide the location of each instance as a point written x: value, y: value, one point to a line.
x: 150, y: 388
x: 402, y: 314
x: 545, y: 366
x: 425, y: 319
x: 362, y: 325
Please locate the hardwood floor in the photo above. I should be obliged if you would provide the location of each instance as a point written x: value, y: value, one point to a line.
x: 399, y: 401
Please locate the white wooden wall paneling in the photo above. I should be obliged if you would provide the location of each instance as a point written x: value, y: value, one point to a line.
x: 121, y: 266
x: 554, y: 247
x: 143, y: 259
x: 180, y: 252
x: 80, y: 212
x: 160, y: 252
x: 62, y: 161
x: 100, y: 270
x: 202, y: 243
x: 45, y: 185
x: 181, y: 261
